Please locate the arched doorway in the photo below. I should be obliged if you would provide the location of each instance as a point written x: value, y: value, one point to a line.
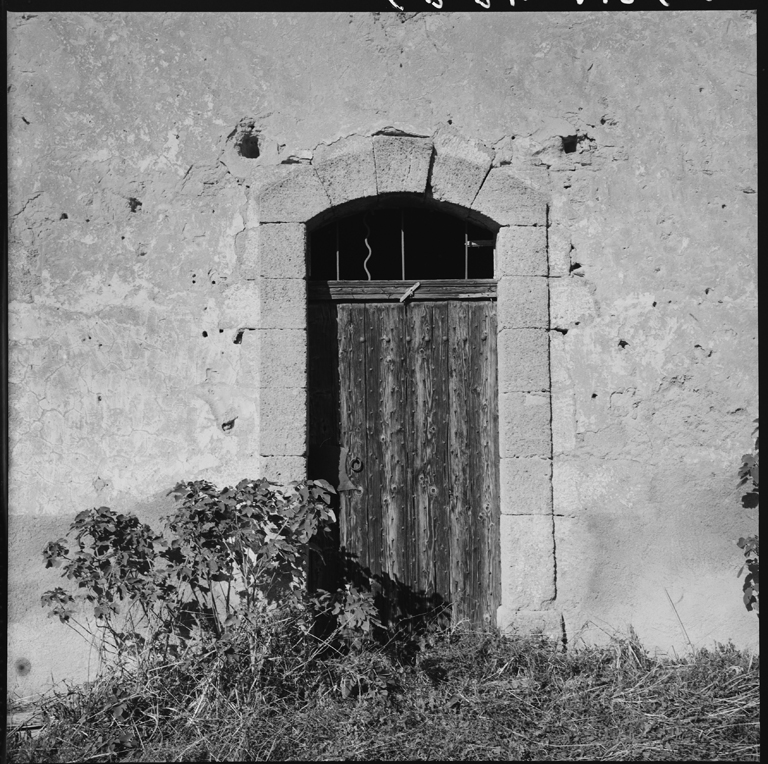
x: 403, y: 413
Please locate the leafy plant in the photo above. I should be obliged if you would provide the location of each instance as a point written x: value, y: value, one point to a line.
x: 229, y: 562
x: 750, y: 472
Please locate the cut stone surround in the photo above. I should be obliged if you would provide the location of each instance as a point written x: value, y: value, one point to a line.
x: 456, y: 174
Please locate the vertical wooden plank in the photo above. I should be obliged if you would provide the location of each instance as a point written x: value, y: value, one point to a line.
x: 353, y: 520
x: 484, y: 450
x: 391, y: 430
x: 373, y: 431
x: 439, y: 500
x: 428, y: 398
x: 420, y: 527
x: 458, y: 460
x: 474, y: 424
x: 483, y: 417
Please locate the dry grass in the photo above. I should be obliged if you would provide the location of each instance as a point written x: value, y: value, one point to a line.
x: 463, y: 696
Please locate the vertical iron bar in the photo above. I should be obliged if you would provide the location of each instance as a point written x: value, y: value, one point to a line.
x: 338, y: 277
x: 402, y: 241
x: 466, y: 252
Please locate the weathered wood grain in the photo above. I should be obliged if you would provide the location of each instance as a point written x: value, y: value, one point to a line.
x: 458, y: 460
x: 412, y: 392
x: 484, y: 451
x: 353, y: 510
x: 384, y: 291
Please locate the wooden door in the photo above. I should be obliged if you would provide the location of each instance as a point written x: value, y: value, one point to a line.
x: 403, y: 419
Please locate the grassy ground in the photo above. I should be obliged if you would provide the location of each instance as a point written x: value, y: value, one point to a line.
x: 459, y: 695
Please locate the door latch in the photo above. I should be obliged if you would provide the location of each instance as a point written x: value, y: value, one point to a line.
x: 345, y: 484
x: 409, y: 292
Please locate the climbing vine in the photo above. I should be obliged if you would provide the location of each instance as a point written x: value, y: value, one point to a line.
x: 749, y: 473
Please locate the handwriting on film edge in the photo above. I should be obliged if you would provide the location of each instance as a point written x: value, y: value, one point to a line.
x: 438, y: 4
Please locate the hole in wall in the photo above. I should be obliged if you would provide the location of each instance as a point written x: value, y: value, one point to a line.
x: 226, y: 426
x: 249, y: 146
x: 64, y: 216
x: 569, y: 143
x: 23, y: 666
x: 205, y: 334
x: 562, y: 331
x: 134, y: 204
x: 594, y: 395
x: 654, y: 304
x: 623, y: 343
x: 240, y: 332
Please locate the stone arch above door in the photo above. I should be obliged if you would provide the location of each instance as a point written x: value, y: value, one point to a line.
x: 457, y: 175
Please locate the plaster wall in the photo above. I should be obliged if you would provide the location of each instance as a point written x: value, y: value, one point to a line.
x: 139, y: 351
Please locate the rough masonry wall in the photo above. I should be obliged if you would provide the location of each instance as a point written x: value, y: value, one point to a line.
x: 133, y: 315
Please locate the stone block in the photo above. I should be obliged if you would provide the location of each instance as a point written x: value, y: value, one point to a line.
x: 283, y: 304
x: 283, y: 420
x: 523, y: 360
x: 347, y: 169
x: 248, y: 259
x: 525, y: 485
x: 559, y: 249
x: 565, y: 488
x: 249, y: 372
x: 571, y: 301
x: 402, y: 163
x: 283, y: 358
x: 560, y: 361
x: 548, y: 623
x: 283, y: 469
x: 295, y: 199
x: 281, y: 250
x: 521, y: 251
x: 507, y: 200
x: 459, y: 168
x: 527, y: 562
x: 524, y: 424
x: 523, y: 302
x: 241, y: 306
x: 563, y: 421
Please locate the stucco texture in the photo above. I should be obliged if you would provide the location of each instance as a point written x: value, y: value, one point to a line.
x: 134, y: 307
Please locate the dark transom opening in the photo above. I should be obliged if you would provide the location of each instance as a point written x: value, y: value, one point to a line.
x: 400, y: 244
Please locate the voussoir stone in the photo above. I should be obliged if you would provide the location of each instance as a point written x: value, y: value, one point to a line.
x: 402, y: 163
x: 347, y: 169
x: 295, y: 199
x: 507, y: 200
x: 459, y: 168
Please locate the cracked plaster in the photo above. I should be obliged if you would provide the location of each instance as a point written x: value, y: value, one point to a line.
x: 656, y: 204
